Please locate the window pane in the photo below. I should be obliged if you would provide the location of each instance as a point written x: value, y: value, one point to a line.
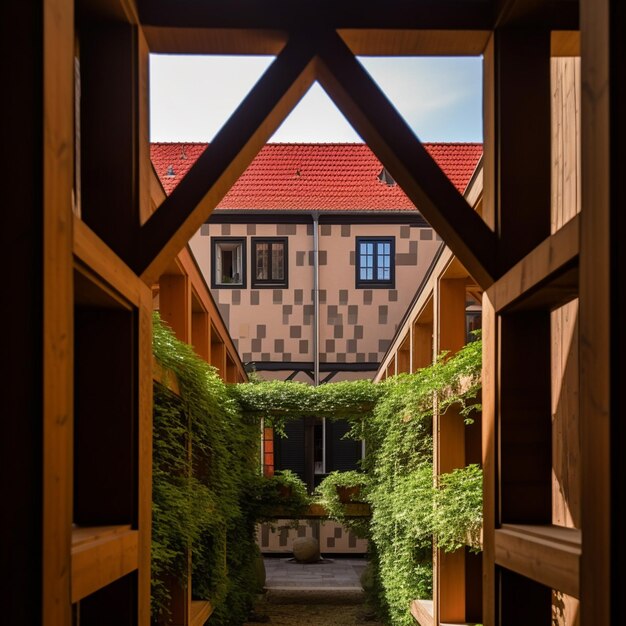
x: 278, y: 261
x: 262, y: 261
x: 228, y: 264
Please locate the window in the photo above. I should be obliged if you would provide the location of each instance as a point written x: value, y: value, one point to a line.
x: 228, y: 259
x: 375, y: 262
x: 269, y: 262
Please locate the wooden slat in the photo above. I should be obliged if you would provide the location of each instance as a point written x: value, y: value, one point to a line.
x: 101, y: 555
x: 200, y: 612
x: 422, y: 611
x: 51, y: 131
x: 100, y: 259
x: 597, y: 292
x: 543, y: 278
x: 169, y: 229
x: 549, y: 555
x: 393, y: 142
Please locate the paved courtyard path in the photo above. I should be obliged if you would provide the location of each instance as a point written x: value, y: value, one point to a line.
x: 321, y: 594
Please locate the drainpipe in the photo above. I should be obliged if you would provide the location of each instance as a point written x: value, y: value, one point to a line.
x: 316, y: 300
x: 316, y: 324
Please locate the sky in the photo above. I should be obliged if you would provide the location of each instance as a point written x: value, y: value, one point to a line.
x: 191, y: 97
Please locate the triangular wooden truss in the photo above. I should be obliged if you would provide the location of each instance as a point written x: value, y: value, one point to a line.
x: 308, y: 56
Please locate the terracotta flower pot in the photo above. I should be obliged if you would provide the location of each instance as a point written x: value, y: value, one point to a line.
x: 348, y: 494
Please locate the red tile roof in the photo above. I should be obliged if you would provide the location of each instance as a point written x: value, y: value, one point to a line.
x: 326, y: 176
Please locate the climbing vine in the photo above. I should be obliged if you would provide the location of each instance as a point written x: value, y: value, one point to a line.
x: 201, y: 500
x: 211, y: 499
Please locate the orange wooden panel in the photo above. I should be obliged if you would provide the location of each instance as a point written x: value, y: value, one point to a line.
x: 101, y: 555
x: 175, y: 304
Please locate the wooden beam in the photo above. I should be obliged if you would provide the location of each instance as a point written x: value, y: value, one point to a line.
x: 517, y: 74
x: 422, y: 611
x: 48, y: 240
x: 490, y: 384
x: 391, y: 139
x: 101, y: 260
x: 600, y: 310
x: 543, y: 278
x: 285, y: 15
x: 549, y: 555
x: 101, y: 555
x: 175, y: 304
x: 226, y: 158
x: 144, y: 477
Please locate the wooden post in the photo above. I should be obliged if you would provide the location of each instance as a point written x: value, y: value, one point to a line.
x: 175, y: 304
x: 449, y: 446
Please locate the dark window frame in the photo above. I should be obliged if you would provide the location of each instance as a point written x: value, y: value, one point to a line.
x: 256, y: 283
x: 215, y: 241
x: 375, y: 283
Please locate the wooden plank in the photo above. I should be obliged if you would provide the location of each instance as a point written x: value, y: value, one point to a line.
x: 566, y: 466
x: 535, y: 281
x: 393, y: 142
x: 281, y: 87
x: 101, y: 555
x: 51, y: 522
x: 595, y: 313
x: 101, y: 260
x: 144, y: 477
x: 565, y: 81
x: 449, y: 442
x: 200, y: 612
x: 422, y: 611
x: 549, y: 555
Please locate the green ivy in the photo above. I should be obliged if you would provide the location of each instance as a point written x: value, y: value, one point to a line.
x: 408, y: 510
x: 326, y: 494
x: 213, y: 500
x: 279, y: 401
x: 203, y: 501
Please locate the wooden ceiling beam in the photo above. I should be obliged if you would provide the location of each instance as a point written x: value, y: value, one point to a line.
x: 256, y: 119
x: 393, y: 142
x: 286, y: 15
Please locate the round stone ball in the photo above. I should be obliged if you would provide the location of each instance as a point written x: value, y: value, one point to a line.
x: 306, y: 550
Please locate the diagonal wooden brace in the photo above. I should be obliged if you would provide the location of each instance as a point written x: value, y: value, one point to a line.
x: 251, y: 125
x: 392, y: 140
